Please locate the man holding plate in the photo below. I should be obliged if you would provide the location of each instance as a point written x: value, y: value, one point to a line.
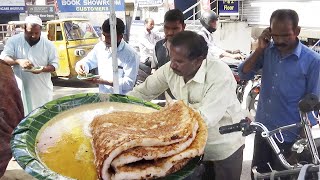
x: 33, y: 58
x: 101, y: 57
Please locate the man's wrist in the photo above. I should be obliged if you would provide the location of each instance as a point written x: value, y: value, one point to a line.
x: 259, y: 50
x: 45, y: 69
x: 17, y: 61
x: 106, y: 82
x: 229, y: 51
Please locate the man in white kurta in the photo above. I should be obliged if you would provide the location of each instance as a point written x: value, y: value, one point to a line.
x: 29, y: 50
x: 147, y: 42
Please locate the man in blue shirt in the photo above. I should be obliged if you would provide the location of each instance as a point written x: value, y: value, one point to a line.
x: 101, y: 56
x: 290, y: 70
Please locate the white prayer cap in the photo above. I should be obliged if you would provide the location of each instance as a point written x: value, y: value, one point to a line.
x: 33, y: 20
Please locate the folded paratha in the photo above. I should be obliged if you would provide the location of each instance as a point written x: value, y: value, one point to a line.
x: 118, y: 132
x: 164, y: 166
x: 152, y: 152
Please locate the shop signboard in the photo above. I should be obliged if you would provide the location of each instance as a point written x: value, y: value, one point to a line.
x: 89, y: 5
x: 228, y: 8
x: 12, y: 6
x: 46, y: 13
x: 150, y: 3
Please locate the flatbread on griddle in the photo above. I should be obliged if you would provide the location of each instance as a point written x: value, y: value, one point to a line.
x: 117, y: 132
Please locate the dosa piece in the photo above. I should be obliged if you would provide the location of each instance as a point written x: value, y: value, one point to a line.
x: 164, y: 166
x: 130, y: 145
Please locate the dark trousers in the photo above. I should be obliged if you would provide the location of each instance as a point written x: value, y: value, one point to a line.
x: 227, y: 169
x: 145, y: 67
x: 263, y: 154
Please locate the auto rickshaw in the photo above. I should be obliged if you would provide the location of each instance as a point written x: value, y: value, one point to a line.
x: 73, y: 38
x: 15, y: 27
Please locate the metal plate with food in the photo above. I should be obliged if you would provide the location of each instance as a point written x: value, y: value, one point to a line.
x: 34, y: 69
x: 74, y: 137
x: 87, y: 76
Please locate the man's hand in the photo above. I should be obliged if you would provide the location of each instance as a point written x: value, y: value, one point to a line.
x: 25, y: 63
x: 237, y: 56
x: 99, y: 81
x: 80, y: 69
x: 264, y: 38
x: 37, y: 71
x: 236, y: 52
x: 93, y: 80
x: 263, y: 42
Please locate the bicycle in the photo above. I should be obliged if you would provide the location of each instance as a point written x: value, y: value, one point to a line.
x: 310, y: 103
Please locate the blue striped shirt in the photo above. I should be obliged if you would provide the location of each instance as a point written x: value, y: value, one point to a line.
x: 285, y: 80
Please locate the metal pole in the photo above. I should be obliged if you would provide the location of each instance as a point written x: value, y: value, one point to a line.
x: 241, y: 10
x: 135, y: 5
x: 194, y: 15
x: 311, y: 144
x: 113, y: 33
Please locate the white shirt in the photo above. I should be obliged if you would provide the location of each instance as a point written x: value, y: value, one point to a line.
x: 101, y: 57
x: 212, y: 92
x: 36, y: 89
x: 214, y: 50
x: 146, y: 45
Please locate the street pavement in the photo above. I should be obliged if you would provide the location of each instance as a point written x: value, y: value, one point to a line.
x: 73, y: 86
x: 69, y: 87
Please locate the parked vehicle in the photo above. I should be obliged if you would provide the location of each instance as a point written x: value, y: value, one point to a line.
x: 241, y: 84
x: 73, y: 38
x: 143, y: 72
x: 253, y: 95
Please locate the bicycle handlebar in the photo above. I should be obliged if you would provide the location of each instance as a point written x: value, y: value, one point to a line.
x: 244, y: 126
x: 248, y: 127
x: 230, y: 128
x: 284, y: 173
x: 310, y: 102
x: 317, y: 107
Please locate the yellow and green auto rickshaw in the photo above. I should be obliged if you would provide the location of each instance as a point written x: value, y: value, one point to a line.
x: 73, y: 38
